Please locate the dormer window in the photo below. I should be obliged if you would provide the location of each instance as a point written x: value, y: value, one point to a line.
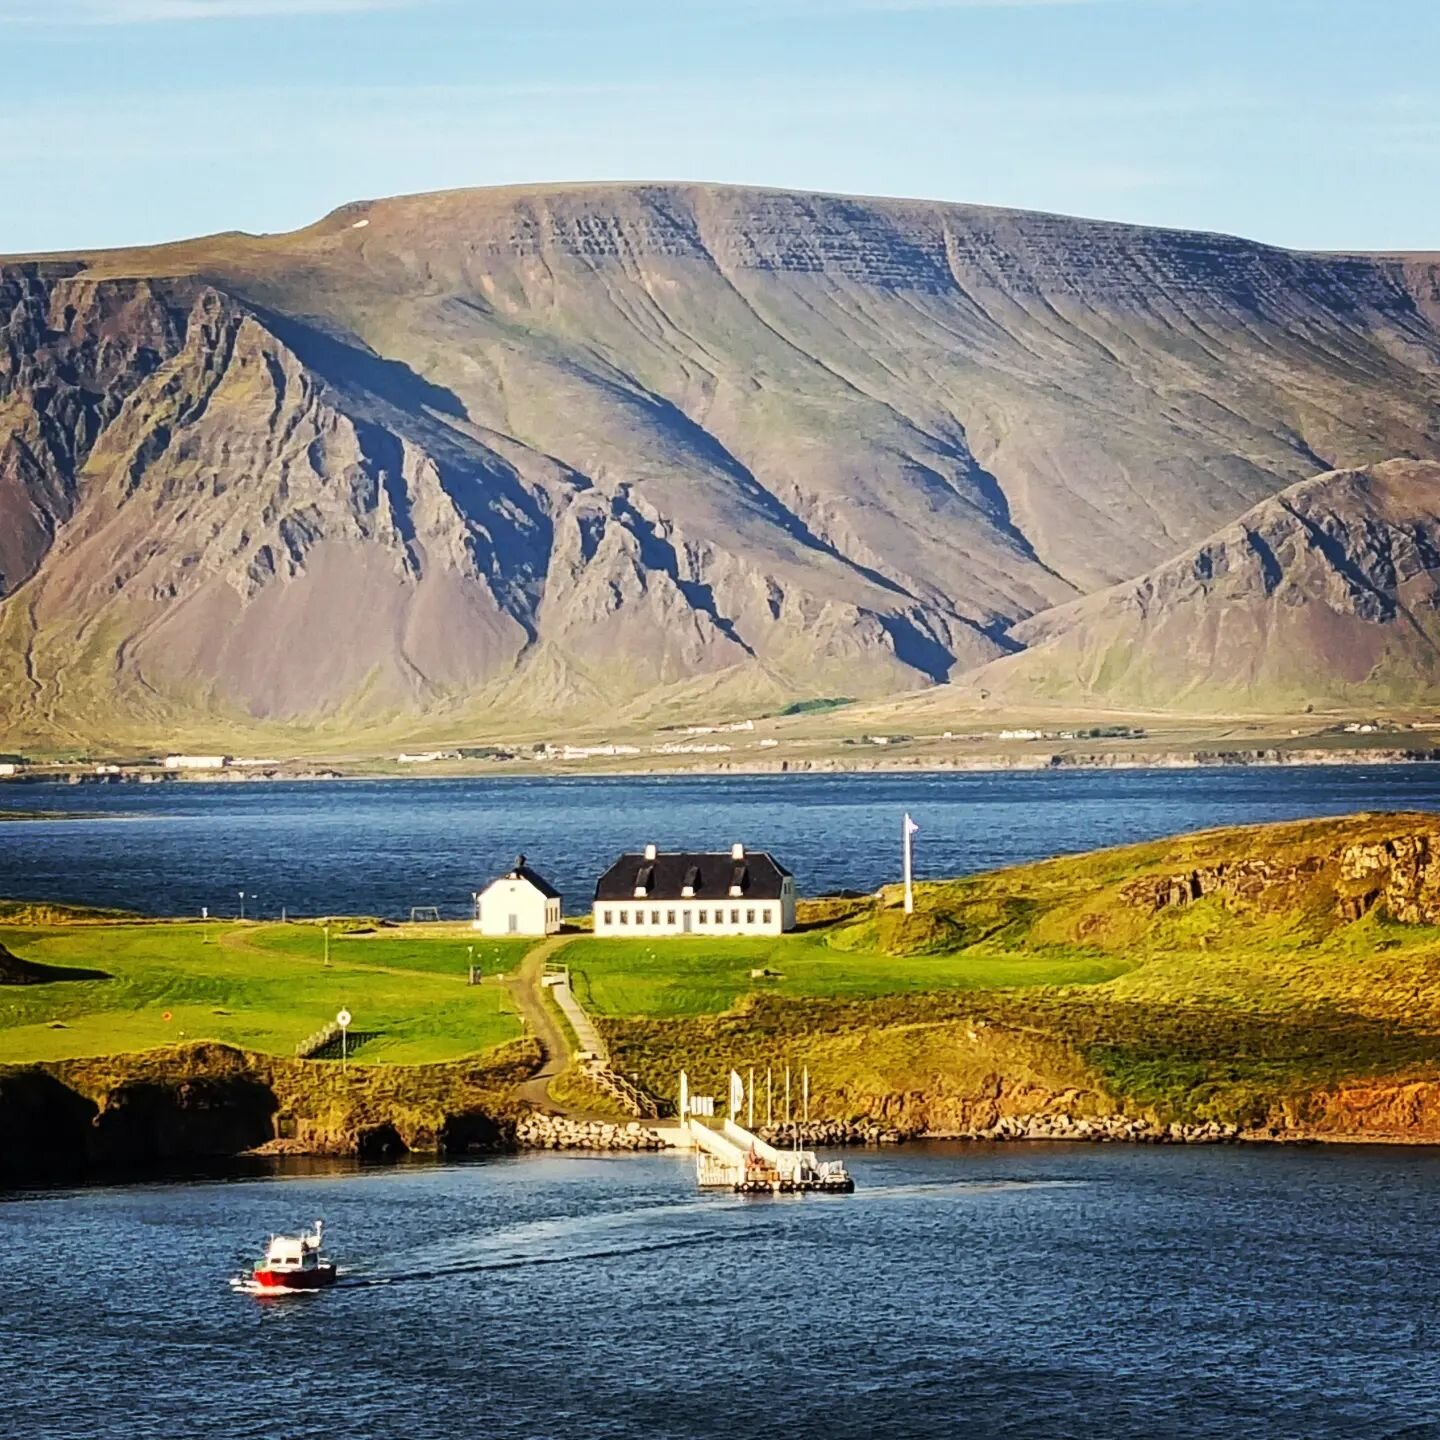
x: 738, y: 879
x: 691, y: 882
x: 644, y: 880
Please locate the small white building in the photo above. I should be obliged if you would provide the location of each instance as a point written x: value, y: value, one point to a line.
x: 695, y: 893
x: 196, y: 762
x: 9, y: 767
x: 521, y: 902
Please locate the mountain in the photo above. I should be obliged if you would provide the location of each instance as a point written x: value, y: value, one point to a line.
x: 498, y: 458
x: 1328, y: 593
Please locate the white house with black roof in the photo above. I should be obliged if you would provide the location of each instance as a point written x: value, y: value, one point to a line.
x: 520, y: 902
x: 655, y: 892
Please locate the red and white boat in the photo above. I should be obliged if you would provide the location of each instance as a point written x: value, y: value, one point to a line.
x: 294, y: 1262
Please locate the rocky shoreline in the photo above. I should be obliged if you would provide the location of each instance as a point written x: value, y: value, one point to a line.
x: 1096, y: 1129
x: 1102, y: 1129
x: 541, y: 1131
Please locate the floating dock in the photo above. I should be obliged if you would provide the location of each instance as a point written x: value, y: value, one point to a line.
x: 732, y: 1158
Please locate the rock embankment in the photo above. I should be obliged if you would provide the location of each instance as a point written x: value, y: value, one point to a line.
x: 1097, y: 1128
x: 539, y: 1131
x: 831, y: 1132
x: 1113, y: 1128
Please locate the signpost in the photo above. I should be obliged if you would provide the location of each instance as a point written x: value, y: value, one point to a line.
x: 343, y: 1021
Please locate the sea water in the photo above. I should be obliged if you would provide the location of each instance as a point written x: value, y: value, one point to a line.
x: 382, y: 846
x: 985, y: 1291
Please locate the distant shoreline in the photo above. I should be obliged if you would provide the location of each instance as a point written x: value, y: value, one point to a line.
x: 1046, y: 762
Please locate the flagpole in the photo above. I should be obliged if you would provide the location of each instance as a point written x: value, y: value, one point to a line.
x: 909, y: 882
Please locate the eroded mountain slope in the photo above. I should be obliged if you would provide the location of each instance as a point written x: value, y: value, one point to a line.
x: 1328, y: 593
x: 496, y: 455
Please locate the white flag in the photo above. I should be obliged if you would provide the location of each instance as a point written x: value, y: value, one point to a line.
x: 737, y: 1094
x: 911, y: 828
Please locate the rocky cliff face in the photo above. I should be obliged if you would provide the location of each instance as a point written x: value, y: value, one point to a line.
x: 206, y: 1101
x: 528, y: 452
x: 1327, y: 592
x: 1399, y: 875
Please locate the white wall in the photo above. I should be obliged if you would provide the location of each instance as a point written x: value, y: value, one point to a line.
x: 534, y: 913
x: 750, y: 917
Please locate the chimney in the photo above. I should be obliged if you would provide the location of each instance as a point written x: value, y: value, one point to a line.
x: 737, y: 851
x: 649, y: 852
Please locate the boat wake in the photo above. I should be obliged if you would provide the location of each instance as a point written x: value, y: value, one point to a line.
x: 935, y: 1190
x: 520, y: 1262
x: 244, y: 1285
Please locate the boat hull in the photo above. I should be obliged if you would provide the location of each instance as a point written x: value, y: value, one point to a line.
x: 315, y: 1279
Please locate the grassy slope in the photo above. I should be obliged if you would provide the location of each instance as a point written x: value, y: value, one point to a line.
x: 1211, y: 1010
x: 703, y: 977
x: 261, y: 987
x: 1056, y: 984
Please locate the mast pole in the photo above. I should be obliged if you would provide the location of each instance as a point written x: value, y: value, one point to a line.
x: 906, y: 829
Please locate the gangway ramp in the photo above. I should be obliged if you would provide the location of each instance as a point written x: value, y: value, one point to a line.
x: 732, y: 1158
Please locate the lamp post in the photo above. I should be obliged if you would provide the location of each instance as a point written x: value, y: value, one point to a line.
x: 242, y: 904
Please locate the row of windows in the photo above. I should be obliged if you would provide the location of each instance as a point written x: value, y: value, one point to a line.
x: 701, y: 917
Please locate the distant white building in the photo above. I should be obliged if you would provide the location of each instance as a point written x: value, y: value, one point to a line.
x: 9, y: 767
x: 586, y: 752
x: 689, y: 893
x: 520, y: 902
x: 196, y: 762
x: 425, y: 757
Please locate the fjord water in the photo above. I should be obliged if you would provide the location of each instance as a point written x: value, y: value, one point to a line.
x: 381, y: 846
x: 1100, y: 1293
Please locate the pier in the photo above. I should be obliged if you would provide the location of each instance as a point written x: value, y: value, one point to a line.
x: 733, y: 1158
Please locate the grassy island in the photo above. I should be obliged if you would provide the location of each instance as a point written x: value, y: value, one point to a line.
x: 1284, y: 976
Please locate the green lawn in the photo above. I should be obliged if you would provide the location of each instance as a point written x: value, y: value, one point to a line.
x: 263, y: 987
x: 677, y: 976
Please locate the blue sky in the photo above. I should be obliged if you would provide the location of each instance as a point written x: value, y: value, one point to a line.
x: 1301, y: 122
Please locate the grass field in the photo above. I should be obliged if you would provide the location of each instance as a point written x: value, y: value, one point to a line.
x: 263, y: 987
x: 1292, y: 973
x: 675, y: 977
x: 1209, y: 976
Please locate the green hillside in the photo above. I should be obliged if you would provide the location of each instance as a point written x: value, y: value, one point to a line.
x: 1217, y: 975
x: 1284, y: 975
x: 260, y: 987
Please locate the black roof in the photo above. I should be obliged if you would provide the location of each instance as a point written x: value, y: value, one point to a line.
x: 709, y: 874
x: 521, y: 871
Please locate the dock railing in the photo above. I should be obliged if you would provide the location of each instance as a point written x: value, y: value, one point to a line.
x: 638, y: 1102
x: 322, y: 1039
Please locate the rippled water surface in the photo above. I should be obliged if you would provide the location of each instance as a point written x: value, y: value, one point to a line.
x: 380, y: 847
x: 1098, y: 1292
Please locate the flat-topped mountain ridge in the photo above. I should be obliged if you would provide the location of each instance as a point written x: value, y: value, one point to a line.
x: 491, y: 458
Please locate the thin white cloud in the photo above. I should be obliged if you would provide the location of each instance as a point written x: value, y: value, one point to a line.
x: 68, y: 13
x: 65, y: 13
